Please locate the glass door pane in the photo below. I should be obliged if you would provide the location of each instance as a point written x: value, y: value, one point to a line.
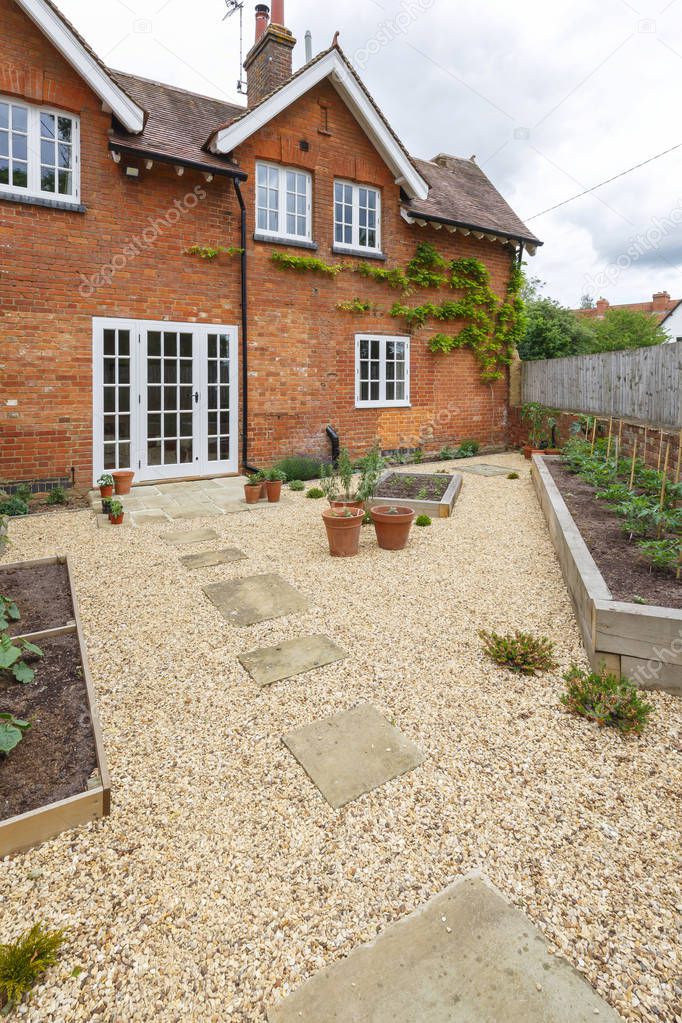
x: 170, y: 402
x: 116, y: 398
x: 219, y: 396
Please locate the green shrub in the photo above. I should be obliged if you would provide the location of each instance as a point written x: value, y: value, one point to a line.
x: 467, y: 449
x: 446, y: 454
x: 422, y: 520
x: 23, y: 961
x: 11, y: 505
x: 519, y: 651
x: 513, y: 476
x: 299, y: 467
x: 607, y: 699
x: 24, y: 493
x: 663, y: 555
x: 315, y: 493
x: 57, y: 496
x: 297, y: 485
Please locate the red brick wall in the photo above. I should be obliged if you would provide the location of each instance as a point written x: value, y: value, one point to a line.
x: 301, y: 357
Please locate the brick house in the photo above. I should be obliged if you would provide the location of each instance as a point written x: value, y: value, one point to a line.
x: 120, y: 346
x: 666, y: 310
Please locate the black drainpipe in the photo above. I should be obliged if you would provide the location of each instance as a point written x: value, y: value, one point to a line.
x: 245, y: 335
x: 336, y: 444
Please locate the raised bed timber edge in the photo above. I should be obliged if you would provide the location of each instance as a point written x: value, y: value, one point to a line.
x: 437, y: 509
x: 22, y: 832
x: 640, y: 641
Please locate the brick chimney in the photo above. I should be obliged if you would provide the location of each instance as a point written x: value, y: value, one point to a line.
x: 661, y: 301
x: 602, y: 306
x: 269, y: 62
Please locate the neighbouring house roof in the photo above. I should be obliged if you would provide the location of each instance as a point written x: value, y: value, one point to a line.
x: 177, y: 124
x: 85, y: 61
x: 661, y: 307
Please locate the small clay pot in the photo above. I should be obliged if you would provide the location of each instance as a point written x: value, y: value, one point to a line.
x: 123, y: 480
x: 252, y: 492
x: 116, y: 520
x: 393, y: 524
x: 106, y: 491
x: 106, y: 504
x: 274, y: 490
x: 343, y: 531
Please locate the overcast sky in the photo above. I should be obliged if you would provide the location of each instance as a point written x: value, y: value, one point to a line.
x: 551, y: 97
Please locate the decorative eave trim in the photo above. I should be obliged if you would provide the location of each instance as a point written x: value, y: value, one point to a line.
x: 467, y: 230
x: 131, y: 116
x: 332, y: 66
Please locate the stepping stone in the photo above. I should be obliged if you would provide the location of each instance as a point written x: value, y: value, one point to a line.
x: 257, y: 598
x: 188, y: 536
x: 140, y: 518
x: 199, y: 511
x: 351, y: 753
x: 211, y: 558
x: 485, y: 469
x: 293, y: 657
x: 465, y: 957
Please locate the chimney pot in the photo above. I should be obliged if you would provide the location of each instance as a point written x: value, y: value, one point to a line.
x: 602, y: 305
x: 278, y: 12
x: 262, y: 18
x: 660, y: 301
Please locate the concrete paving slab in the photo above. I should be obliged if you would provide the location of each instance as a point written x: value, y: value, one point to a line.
x: 142, y: 518
x: 485, y: 469
x: 290, y: 658
x: 351, y: 753
x: 231, y: 505
x: 465, y: 957
x: 209, y: 559
x: 257, y: 598
x: 189, y: 536
x: 199, y: 511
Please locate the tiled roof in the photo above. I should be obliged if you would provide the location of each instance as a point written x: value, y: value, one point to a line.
x: 461, y: 194
x: 661, y: 315
x: 178, y: 121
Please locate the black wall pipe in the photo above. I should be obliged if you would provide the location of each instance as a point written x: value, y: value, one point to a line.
x: 335, y: 442
x: 245, y: 335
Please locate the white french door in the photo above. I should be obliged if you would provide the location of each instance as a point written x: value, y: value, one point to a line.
x: 165, y: 398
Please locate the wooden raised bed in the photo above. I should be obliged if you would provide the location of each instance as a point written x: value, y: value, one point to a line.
x: 28, y: 829
x: 640, y: 641
x: 441, y: 508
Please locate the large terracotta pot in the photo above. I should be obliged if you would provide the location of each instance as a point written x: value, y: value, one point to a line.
x: 274, y: 491
x: 252, y: 492
x: 343, y: 531
x: 393, y: 524
x: 123, y: 480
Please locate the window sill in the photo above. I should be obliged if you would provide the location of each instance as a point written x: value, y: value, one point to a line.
x: 383, y: 404
x: 339, y: 250
x: 51, y: 204
x: 276, y: 239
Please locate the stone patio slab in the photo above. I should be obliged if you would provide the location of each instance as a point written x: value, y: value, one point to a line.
x: 290, y: 658
x: 195, y: 511
x: 352, y: 753
x: 465, y: 957
x: 209, y: 559
x: 141, y: 518
x: 189, y: 536
x: 257, y: 598
x: 485, y: 469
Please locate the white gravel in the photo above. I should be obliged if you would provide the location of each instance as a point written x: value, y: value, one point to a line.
x: 223, y: 879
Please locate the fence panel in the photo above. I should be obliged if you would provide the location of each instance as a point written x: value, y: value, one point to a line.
x: 643, y: 384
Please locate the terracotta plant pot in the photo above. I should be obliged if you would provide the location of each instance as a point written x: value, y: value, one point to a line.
x: 252, y: 492
x: 343, y: 531
x: 264, y: 490
x: 123, y: 480
x: 116, y: 520
x: 106, y: 504
x: 274, y: 490
x: 393, y: 524
x: 342, y: 503
x: 107, y: 491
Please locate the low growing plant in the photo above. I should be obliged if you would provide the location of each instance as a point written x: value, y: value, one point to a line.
x: 520, y: 651
x: 12, y: 505
x: 446, y: 454
x: 610, y: 700
x: 57, y: 496
x: 9, y: 612
x: 105, y: 480
x: 296, y: 485
x: 315, y: 493
x: 23, y: 961
x: 513, y: 476
x: 467, y: 449
x: 12, y: 654
x: 299, y: 467
x: 11, y: 732
x: 422, y: 494
x: 422, y: 520
x: 115, y: 508
x: 663, y: 555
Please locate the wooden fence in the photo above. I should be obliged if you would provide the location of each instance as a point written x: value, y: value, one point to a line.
x: 644, y: 384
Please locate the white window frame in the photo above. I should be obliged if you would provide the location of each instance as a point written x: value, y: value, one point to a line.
x: 355, y: 244
x: 382, y: 401
x: 33, y: 189
x: 282, y: 210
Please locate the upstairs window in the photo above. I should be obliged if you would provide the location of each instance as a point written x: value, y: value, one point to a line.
x: 39, y: 152
x: 382, y: 371
x: 357, y: 217
x: 283, y: 202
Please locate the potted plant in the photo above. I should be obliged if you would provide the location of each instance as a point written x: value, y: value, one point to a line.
x: 372, y: 466
x: 253, y: 487
x: 115, y: 512
x: 106, y: 485
x: 123, y: 480
x: 106, y: 505
x: 345, y: 473
x: 393, y: 525
x: 343, y: 527
x: 274, y: 478
x: 542, y: 422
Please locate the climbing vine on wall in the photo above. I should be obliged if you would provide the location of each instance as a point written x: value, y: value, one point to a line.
x: 490, y: 329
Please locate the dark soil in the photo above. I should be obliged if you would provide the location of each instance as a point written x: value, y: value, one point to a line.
x: 57, y: 754
x: 409, y: 487
x: 75, y: 500
x: 617, y: 558
x: 41, y: 594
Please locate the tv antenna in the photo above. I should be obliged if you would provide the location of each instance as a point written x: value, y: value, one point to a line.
x: 232, y: 7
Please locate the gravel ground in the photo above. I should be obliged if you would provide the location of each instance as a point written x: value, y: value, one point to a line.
x: 222, y: 879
